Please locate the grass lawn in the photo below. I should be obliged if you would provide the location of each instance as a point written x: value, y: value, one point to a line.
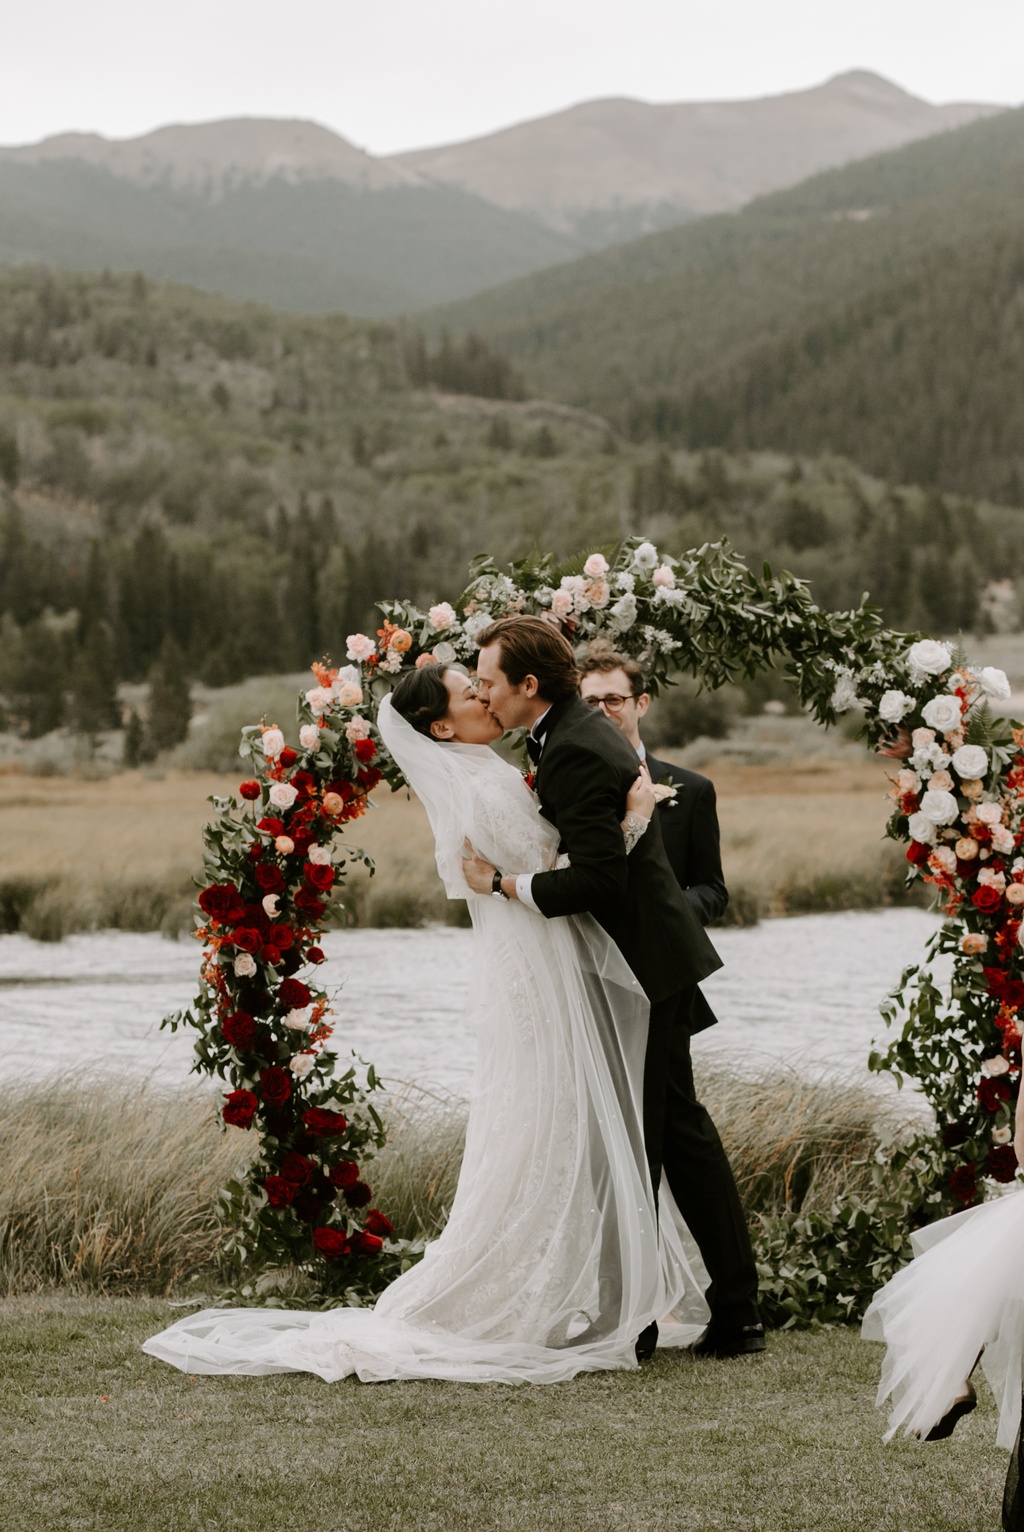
x: 98, y: 1436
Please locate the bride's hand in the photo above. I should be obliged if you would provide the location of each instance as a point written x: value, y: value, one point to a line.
x: 641, y: 800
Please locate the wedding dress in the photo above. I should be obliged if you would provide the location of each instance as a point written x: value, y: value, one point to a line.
x: 551, y: 1262
x: 964, y: 1291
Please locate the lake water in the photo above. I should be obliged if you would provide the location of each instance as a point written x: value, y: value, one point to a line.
x: 798, y: 990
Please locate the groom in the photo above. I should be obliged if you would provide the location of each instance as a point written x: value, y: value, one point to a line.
x: 584, y: 769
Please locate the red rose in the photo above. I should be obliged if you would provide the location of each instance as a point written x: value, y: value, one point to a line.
x: 275, y: 1085
x: 1002, y: 1162
x: 306, y: 900
x: 271, y: 826
x: 992, y: 1092
x: 376, y: 1223
x: 345, y: 1173
x: 320, y: 876
x: 307, y: 1204
x: 250, y: 790
x: 296, y: 1167
x: 293, y: 994
x: 315, y: 955
x: 1013, y: 993
x: 331, y: 1243
x: 281, y: 936
x: 358, y: 1194
x: 271, y: 955
x: 369, y: 777
x: 220, y: 901
x: 247, y: 939
x: 365, y: 749
x: 303, y: 840
x: 288, y: 756
x: 239, y: 1030
x: 279, y: 1191
x: 986, y: 897
x: 963, y: 1184
x: 995, y: 978
x: 269, y: 877
x: 323, y: 1122
x: 239, y: 1108
x: 303, y: 783
x: 918, y: 852
x: 366, y: 1244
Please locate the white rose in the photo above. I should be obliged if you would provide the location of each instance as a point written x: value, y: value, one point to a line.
x: 561, y: 603
x: 995, y: 1067
x: 273, y: 743
x: 359, y: 647
x: 624, y: 613
x: 942, y: 713
x: 443, y: 653
x: 1002, y: 840
x: 301, y: 1065
x: 939, y: 808
x: 646, y: 556
x: 477, y: 623
x: 993, y: 682
x: 929, y: 656
x: 349, y: 695
x: 244, y: 965
x: 988, y: 814
x: 1001, y: 1135
x: 318, y: 698
x: 992, y: 878
x: 320, y: 856
x: 844, y: 697
x: 442, y: 616
x: 282, y: 795
x: 355, y: 729
x: 921, y: 828
x: 970, y: 761
x: 596, y: 566
x: 309, y: 736
x: 665, y: 576
x: 271, y: 904
x: 894, y: 706
x: 298, y: 1021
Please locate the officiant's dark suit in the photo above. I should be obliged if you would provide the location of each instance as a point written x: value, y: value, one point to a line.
x: 584, y: 769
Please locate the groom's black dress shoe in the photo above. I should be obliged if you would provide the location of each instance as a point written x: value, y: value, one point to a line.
x: 719, y: 1342
x: 647, y: 1343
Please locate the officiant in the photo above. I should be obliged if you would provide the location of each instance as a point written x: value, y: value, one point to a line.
x: 688, y: 820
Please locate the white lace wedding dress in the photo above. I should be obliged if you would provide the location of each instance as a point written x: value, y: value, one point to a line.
x: 551, y: 1262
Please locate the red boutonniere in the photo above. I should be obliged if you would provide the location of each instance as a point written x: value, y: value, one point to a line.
x: 528, y: 779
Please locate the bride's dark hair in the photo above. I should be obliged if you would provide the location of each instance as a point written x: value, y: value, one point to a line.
x: 422, y: 697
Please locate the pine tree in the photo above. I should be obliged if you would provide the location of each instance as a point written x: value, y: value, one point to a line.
x: 134, y: 741
x: 94, y: 683
x: 170, y: 704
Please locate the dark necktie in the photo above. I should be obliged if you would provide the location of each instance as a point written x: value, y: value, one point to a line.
x: 533, y: 748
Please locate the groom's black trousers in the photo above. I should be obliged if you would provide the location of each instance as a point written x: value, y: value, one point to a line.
x: 681, y: 1139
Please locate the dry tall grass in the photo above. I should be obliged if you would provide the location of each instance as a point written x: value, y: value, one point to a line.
x: 79, y: 855
x: 114, y: 1189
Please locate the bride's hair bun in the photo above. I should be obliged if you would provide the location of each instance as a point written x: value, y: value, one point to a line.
x: 422, y: 697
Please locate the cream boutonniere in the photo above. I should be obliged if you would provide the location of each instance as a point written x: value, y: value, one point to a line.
x: 665, y: 792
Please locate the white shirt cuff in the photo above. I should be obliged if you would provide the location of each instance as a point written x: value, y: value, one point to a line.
x: 523, y: 894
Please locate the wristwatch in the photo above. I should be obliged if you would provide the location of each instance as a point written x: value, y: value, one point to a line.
x: 496, y: 888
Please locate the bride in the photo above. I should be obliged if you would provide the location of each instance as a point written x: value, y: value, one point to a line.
x: 551, y: 1262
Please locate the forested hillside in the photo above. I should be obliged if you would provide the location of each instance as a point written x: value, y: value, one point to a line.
x: 242, y: 485
x: 874, y: 311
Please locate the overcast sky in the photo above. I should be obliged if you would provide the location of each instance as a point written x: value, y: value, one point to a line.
x: 397, y: 74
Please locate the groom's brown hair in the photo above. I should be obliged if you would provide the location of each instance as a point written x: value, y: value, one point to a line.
x: 532, y: 647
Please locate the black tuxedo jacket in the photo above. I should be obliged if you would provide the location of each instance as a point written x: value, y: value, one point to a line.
x: 689, y: 829
x: 585, y: 771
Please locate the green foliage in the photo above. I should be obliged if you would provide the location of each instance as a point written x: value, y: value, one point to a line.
x: 170, y: 704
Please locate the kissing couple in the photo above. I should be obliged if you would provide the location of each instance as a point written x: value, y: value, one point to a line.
x: 556, y: 1258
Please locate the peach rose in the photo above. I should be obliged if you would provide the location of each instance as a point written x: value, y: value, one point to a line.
x: 333, y: 803
x: 284, y: 844
x: 922, y: 738
x: 1015, y: 893
x: 973, y: 943
x: 940, y: 782
x: 400, y: 641
x: 349, y: 695
x: 972, y: 788
x: 908, y: 781
x: 966, y: 849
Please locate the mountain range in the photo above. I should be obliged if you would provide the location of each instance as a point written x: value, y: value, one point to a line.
x: 292, y: 214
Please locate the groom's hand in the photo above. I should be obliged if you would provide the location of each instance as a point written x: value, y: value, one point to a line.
x: 480, y: 874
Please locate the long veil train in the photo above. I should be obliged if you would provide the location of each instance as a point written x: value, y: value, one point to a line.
x: 552, y: 1261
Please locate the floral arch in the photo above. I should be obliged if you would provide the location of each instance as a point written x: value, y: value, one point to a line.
x: 275, y: 857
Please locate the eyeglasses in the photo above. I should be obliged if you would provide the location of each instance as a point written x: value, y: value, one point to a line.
x: 613, y: 702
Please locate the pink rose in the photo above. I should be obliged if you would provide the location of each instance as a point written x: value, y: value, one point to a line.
x: 561, y: 603
x: 360, y: 648
x: 357, y: 728
x: 443, y: 616
x: 664, y: 576
x: 922, y: 738
x: 596, y: 566
x: 599, y: 593
x: 940, y: 782
x: 988, y: 813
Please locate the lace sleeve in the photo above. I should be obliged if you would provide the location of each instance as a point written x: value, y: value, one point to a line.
x: 633, y: 827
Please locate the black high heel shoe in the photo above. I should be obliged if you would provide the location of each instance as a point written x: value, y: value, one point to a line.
x: 957, y: 1410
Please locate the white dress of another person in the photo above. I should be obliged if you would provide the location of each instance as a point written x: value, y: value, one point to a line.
x: 551, y: 1262
x: 961, y: 1295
